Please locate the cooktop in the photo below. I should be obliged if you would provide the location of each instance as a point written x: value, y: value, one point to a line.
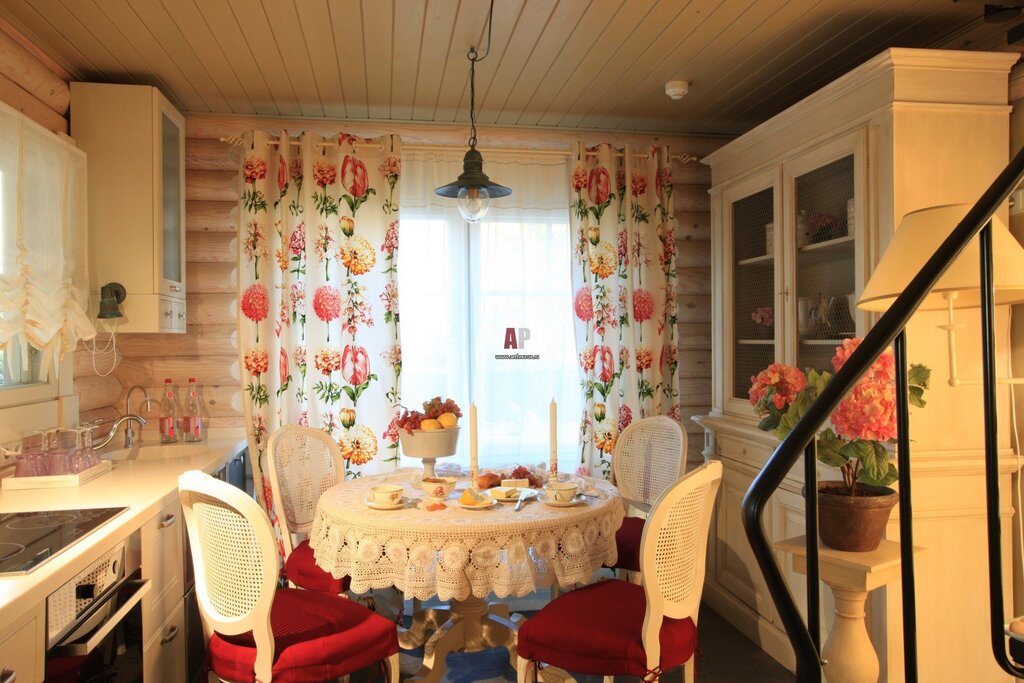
x: 28, y: 539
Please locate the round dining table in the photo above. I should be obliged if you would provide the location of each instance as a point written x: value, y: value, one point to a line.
x: 462, y: 556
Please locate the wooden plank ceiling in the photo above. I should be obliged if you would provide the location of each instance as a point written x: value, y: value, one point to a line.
x: 598, y: 64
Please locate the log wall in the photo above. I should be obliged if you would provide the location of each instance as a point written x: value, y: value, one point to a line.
x: 31, y: 82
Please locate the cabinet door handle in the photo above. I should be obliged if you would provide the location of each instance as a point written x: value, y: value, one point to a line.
x: 171, y: 634
x: 168, y: 520
x: 167, y: 313
x: 175, y: 288
x: 8, y: 676
x: 181, y: 316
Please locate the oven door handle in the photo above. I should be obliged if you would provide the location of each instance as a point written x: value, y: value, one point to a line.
x: 84, y: 647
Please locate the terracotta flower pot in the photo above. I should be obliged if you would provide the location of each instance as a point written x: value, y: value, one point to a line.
x: 853, y: 523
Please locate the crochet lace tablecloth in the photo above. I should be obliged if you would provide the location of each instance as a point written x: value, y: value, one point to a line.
x: 453, y: 553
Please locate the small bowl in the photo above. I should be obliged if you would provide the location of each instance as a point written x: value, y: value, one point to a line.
x: 438, y: 488
x: 385, y: 494
x: 561, y: 491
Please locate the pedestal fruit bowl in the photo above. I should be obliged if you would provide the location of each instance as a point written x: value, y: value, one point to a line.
x: 430, y: 434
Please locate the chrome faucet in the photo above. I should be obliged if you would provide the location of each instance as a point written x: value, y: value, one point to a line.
x: 147, y: 403
x: 114, y: 427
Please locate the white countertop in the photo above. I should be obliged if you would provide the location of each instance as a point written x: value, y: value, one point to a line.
x: 145, y: 487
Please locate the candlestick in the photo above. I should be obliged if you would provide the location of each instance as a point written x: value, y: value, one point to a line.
x: 553, y: 426
x: 472, y: 445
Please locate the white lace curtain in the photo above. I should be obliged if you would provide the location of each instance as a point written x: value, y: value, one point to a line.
x: 43, y: 242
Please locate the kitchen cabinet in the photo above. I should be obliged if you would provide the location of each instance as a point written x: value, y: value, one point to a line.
x: 22, y: 645
x: 134, y: 141
x: 163, y: 610
x: 802, y: 208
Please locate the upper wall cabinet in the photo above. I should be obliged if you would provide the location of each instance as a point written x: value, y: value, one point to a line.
x: 134, y: 140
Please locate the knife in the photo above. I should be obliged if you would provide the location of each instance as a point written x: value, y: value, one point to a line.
x: 522, y: 499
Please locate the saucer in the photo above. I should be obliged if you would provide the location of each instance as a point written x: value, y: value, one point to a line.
x: 464, y: 506
x: 523, y: 493
x: 385, y: 506
x: 576, y: 500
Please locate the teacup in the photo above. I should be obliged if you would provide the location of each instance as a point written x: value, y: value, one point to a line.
x: 561, y: 491
x: 385, y: 494
x: 438, y: 488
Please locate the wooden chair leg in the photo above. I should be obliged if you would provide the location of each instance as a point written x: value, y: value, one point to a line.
x: 391, y: 668
x: 688, y: 670
x: 523, y: 666
x: 609, y: 679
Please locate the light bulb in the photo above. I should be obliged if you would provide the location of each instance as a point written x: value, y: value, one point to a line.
x: 473, y: 203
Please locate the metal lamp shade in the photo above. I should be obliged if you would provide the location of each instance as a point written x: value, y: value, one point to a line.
x: 473, y: 176
x: 111, y: 294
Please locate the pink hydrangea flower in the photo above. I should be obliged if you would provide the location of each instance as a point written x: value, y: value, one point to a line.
x: 625, y: 416
x: 327, y: 302
x: 587, y: 358
x: 643, y: 305
x: 256, y: 302
x: 639, y: 185
x: 644, y: 358
x: 583, y: 304
x: 579, y: 178
x: 324, y: 173
x: 256, y: 361
x: 785, y: 379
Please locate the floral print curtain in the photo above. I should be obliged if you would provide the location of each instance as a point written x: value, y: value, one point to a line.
x: 318, y: 298
x: 624, y: 279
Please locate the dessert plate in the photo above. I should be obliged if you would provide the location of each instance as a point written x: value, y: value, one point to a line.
x: 487, y: 506
x: 547, y: 500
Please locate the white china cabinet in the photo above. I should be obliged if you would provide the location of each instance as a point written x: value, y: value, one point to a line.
x: 802, y: 207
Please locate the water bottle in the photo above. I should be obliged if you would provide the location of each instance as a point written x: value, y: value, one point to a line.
x: 191, y: 423
x: 168, y: 415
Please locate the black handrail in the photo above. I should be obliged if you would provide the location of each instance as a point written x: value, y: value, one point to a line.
x: 877, y: 340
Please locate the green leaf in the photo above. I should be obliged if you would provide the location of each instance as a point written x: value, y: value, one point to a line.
x: 817, y: 381
x: 919, y: 375
x: 889, y: 477
x: 829, y: 449
x: 916, y: 396
x: 874, y: 459
x: 770, y: 422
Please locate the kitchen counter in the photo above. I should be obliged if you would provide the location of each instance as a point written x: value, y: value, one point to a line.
x: 144, y: 486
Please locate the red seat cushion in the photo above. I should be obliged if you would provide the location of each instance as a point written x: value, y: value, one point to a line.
x: 596, y: 630
x: 317, y: 637
x: 627, y: 542
x: 301, y: 569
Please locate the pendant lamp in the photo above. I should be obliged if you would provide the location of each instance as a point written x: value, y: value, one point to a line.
x: 473, y: 189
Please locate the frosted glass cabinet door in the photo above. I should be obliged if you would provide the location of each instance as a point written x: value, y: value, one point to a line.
x: 171, y: 148
x: 752, y: 247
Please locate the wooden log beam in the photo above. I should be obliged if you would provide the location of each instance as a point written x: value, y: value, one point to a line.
x: 694, y: 254
x: 694, y: 308
x: 693, y: 280
x: 690, y: 198
x: 151, y: 372
x: 213, y: 339
x: 211, y: 278
x: 692, y: 225
x: 210, y: 247
x: 205, y: 154
x: 85, y: 365
x: 217, y: 125
x: 695, y: 364
x: 17, y: 97
x: 95, y: 392
x: 213, y: 185
x: 212, y: 216
x: 24, y: 69
x: 206, y: 309
x: 693, y: 335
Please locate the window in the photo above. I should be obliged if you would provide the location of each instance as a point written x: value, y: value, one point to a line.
x: 486, y: 310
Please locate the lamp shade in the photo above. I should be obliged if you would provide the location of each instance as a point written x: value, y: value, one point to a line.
x: 919, y: 235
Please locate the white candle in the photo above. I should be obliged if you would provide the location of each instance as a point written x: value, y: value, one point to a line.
x: 472, y: 445
x: 553, y: 426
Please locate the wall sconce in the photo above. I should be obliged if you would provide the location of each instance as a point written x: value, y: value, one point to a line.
x: 111, y: 294
x: 918, y: 236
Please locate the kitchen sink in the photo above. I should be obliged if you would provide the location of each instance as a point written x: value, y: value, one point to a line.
x: 155, y: 452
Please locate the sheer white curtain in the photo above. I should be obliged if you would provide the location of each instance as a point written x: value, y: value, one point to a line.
x: 464, y: 287
x: 43, y: 247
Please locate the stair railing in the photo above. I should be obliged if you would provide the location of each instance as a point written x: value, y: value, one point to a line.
x: 890, y: 329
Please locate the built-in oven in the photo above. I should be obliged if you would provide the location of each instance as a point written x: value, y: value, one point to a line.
x: 94, y: 621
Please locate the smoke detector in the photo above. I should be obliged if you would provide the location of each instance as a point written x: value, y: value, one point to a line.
x: 676, y: 89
